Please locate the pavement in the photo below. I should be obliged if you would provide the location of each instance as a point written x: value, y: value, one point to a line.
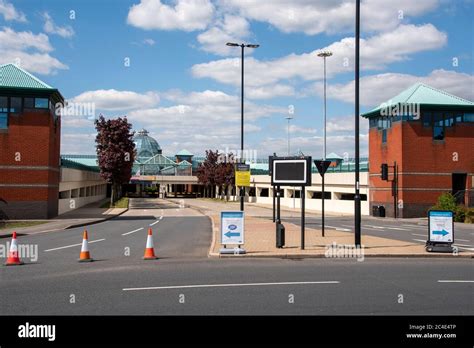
x: 185, y: 281
x: 86, y: 215
x: 380, y: 237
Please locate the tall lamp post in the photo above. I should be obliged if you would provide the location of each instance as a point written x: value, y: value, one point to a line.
x: 324, y: 55
x: 243, y: 46
x: 357, y: 217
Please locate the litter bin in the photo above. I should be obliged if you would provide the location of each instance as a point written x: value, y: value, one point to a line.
x: 280, y: 235
x: 381, y: 211
x: 375, y: 210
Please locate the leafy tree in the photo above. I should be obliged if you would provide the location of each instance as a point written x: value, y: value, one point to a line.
x: 206, y: 172
x: 225, y: 176
x: 115, y: 151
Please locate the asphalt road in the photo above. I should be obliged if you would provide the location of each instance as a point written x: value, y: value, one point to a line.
x: 185, y: 281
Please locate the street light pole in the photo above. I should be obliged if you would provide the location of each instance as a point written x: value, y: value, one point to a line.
x: 324, y: 55
x: 357, y: 211
x: 232, y: 44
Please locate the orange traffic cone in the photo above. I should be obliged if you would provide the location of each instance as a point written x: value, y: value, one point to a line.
x: 149, y: 249
x: 85, y: 255
x: 13, y: 257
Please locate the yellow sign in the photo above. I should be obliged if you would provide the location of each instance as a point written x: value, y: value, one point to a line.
x: 242, y: 175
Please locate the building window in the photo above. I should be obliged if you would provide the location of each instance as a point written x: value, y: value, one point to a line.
x: 3, y: 120
x: 426, y: 119
x: 438, y: 133
x: 29, y: 103
x: 469, y: 117
x: 448, y: 119
x: 384, y: 136
x: 41, y: 103
x: 458, y: 118
x: 15, y: 104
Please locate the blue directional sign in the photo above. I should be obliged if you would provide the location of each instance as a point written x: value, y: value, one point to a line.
x: 441, y: 228
x: 232, y: 227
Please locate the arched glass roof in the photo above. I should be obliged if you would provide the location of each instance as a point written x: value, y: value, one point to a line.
x: 145, y: 145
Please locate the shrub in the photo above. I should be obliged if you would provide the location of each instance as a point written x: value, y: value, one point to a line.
x: 469, y: 217
x: 448, y: 202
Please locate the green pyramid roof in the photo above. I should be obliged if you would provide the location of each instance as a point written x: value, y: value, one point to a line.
x: 12, y: 75
x: 423, y: 95
x: 184, y: 153
x: 14, y: 78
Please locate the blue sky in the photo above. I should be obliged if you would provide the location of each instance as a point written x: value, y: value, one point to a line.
x: 182, y: 83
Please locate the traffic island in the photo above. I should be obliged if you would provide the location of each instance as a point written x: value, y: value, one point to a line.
x: 260, y: 242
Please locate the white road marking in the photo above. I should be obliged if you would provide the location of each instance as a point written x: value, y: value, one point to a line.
x: 419, y: 235
x: 376, y: 227
x: 455, y: 281
x: 154, y: 223
x: 464, y: 245
x: 75, y: 245
x: 462, y: 240
x: 420, y: 240
x: 227, y: 285
x: 468, y: 249
x: 161, y: 217
x: 138, y: 229
x: 397, y: 228
x: 339, y: 228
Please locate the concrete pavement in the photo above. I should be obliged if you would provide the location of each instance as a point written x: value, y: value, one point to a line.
x: 87, y: 215
x: 260, y: 235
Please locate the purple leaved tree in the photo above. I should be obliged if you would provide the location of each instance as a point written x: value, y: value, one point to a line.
x: 115, y: 152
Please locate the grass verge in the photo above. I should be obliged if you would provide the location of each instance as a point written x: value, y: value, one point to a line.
x: 121, y: 203
x: 19, y: 224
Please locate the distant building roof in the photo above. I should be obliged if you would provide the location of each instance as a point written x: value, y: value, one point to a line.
x: 423, y: 95
x: 334, y: 156
x: 184, y: 153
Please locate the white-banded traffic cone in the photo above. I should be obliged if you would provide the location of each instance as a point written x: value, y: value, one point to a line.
x: 85, y: 255
x: 149, y: 249
x: 13, y: 257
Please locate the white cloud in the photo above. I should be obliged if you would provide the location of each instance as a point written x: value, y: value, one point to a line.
x: 114, y: 100
x: 187, y: 15
x: 376, y: 89
x: 51, y: 28
x: 78, y: 143
x: 330, y: 16
x: 229, y: 29
x: 201, y: 120
x: 10, y: 13
x: 313, y: 145
x: 149, y: 42
x: 30, y: 51
x: 294, y: 129
x: 377, y: 52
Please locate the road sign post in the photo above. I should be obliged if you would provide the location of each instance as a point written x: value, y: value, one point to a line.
x: 322, y: 168
x: 290, y: 171
x: 232, y: 232
x: 440, y: 231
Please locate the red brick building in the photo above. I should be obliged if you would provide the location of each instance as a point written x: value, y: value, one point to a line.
x: 30, y: 132
x: 427, y: 137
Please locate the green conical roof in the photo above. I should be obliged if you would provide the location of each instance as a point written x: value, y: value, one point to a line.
x: 422, y: 94
x: 13, y: 76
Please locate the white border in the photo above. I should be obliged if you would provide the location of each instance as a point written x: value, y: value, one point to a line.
x: 290, y: 181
